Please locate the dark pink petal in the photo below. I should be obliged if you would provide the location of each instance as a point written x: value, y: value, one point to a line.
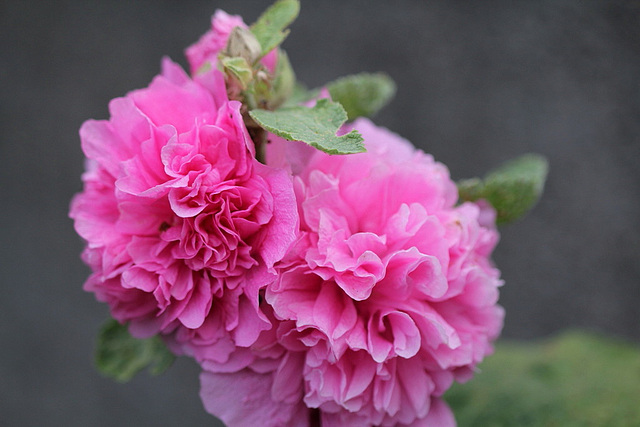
x: 198, y: 306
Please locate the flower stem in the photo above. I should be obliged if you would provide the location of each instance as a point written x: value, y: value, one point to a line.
x: 260, y: 140
x: 314, y: 418
x: 258, y: 136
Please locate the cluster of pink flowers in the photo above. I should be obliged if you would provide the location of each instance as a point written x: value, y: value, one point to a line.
x: 340, y: 290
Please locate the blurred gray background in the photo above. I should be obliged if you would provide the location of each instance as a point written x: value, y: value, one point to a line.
x: 478, y: 83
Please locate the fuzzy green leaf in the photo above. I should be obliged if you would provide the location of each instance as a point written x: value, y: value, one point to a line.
x: 364, y: 94
x: 317, y: 126
x: 284, y: 82
x: 470, y: 189
x: 575, y: 379
x: 121, y: 356
x: 512, y: 189
x: 269, y: 29
x: 300, y: 95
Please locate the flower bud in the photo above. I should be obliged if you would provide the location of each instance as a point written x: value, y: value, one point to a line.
x: 244, y: 44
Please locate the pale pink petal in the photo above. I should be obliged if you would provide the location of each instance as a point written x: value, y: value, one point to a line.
x: 244, y: 399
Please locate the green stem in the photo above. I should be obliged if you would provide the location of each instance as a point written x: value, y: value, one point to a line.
x: 260, y: 141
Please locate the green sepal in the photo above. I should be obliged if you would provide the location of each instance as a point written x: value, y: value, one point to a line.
x: 364, y: 94
x: 204, y: 68
x: 317, y: 126
x: 121, y: 356
x: 269, y: 29
x: 239, y: 68
x: 512, y: 189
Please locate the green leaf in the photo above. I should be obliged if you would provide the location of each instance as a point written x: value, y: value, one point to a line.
x: 575, y: 379
x: 269, y: 28
x: 239, y: 68
x: 516, y: 186
x: 317, y: 126
x: 470, y: 189
x: 300, y: 95
x: 284, y: 82
x: 364, y: 94
x: 121, y: 356
x: 512, y: 189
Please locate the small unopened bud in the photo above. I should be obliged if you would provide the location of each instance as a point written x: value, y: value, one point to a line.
x: 244, y: 44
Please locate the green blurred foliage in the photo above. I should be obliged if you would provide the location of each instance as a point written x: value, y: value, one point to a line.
x: 121, y: 356
x: 575, y: 379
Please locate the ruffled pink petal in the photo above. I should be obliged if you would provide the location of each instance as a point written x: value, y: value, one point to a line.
x: 281, y: 230
x: 244, y: 399
x: 167, y: 103
x: 439, y: 415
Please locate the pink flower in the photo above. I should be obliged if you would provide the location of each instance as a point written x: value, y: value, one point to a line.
x: 389, y: 289
x: 183, y: 225
x: 215, y: 40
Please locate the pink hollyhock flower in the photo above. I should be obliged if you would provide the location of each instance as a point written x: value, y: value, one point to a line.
x: 215, y: 40
x: 183, y: 225
x: 389, y: 290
